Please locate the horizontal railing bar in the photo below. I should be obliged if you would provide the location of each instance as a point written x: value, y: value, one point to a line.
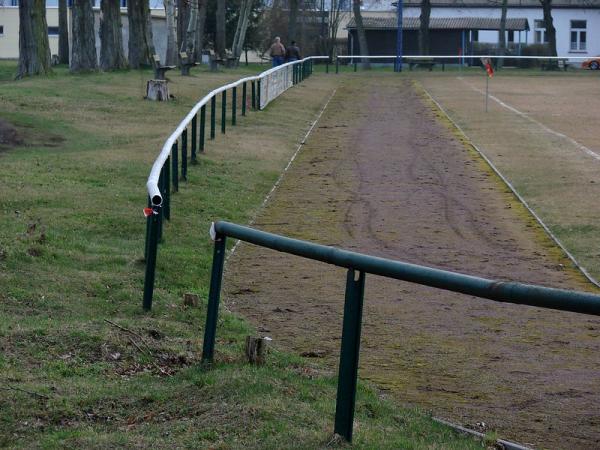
x: 501, y: 291
x: 152, y: 183
x: 459, y: 57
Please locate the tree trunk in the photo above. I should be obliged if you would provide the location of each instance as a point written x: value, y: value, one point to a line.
x: 241, y: 28
x: 424, y: 27
x: 34, y: 49
x: 84, y: 56
x: 202, y: 4
x: 293, y: 20
x: 502, y: 33
x: 549, y: 24
x: 360, y: 31
x: 187, y: 45
x: 141, y: 47
x: 63, y: 32
x: 171, y: 56
x: 183, y: 17
x: 220, y: 29
x: 112, y: 55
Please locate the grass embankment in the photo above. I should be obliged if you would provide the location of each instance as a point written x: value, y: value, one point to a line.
x: 71, y: 242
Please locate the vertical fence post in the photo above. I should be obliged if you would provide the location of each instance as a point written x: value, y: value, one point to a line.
x: 253, y: 94
x: 148, y: 224
x: 327, y: 65
x: 167, y: 193
x: 244, y: 98
x: 337, y: 65
x: 194, y: 138
x: 175, y: 167
x: 151, y: 258
x: 161, y: 215
x: 223, y: 111
x: 213, y: 113
x: 184, y: 153
x: 214, y: 295
x: 348, y: 370
x: 355, y: 64
x: 233, y: 105
x: 258, y: 95
x: 202, y: 126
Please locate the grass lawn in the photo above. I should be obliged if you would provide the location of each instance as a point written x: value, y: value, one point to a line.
x: 80, y: 364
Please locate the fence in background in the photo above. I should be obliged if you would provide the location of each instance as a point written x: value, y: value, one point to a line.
x: 507, y: 292
x: 429, y: 61
x: 171, y: 165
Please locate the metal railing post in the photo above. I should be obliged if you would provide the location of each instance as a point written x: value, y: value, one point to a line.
x: 184, y: 153
x: 175, y: 166
x: 327, y: 66
x: 337, y: 65
x: 244, y: 98
x: 258, y: 95
x: 253, y: 94
x: 167, y: 193
x: 214, y: 295
x: 213, y: 119
x: 223, y: 111
x: 153, y: 224
x: 233, y: 104
x: 161, y: 215
x: 148, y: 222
x: 355, y: 64
x: 202, y: 126
x: 194, y: 138
x: 348, y: 370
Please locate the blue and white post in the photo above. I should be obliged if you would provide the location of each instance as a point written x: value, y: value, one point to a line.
x: 398, y: 62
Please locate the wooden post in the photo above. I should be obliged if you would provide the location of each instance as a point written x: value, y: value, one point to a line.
x: 256, y: 348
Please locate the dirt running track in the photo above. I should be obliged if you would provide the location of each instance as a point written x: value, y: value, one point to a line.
x: 381, y: 174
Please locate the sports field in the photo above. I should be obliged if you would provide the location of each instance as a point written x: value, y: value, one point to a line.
x: 385, y: 173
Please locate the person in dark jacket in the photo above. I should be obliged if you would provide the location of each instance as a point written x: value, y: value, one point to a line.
x: 292, y: 53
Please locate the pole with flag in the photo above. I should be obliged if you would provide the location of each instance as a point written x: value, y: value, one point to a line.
x: 487, y: 64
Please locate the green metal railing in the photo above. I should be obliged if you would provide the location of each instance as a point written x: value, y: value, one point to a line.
x: 508, y: 292
x: 171, y: 166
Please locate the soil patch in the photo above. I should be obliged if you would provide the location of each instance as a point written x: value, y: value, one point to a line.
x: 9, y: 136
x: 382, y: 175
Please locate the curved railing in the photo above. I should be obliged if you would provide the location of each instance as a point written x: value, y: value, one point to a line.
x: 168, y: 168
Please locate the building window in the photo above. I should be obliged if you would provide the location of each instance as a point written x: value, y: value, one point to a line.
x: 539, y: 32
x: 511, y: 36
x: 474, y: 35
x: 578, y: 35
x: 52, y: 31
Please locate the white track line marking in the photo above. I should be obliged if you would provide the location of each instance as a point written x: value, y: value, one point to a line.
x: 581, y: 147
x: 582, y: 269
x: 289, y: 164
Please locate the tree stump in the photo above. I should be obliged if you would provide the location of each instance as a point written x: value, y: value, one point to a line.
x: 256, y: 348
x: 157, y: 90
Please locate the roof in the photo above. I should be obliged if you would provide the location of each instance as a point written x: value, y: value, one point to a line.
x: 386, y: 5
x: 441, y: 23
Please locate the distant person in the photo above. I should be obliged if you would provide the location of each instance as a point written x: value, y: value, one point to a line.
x: 292, y: 53
x: 277, y: 52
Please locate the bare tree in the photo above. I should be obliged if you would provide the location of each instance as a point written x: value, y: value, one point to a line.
x: 63, y: 32
x: 34, y: 49
x: 171, y: 56
x: 83, y: 55
x: 220, y: 29
x: 241, y: 28
x: 424, y: 27
x: 200, y: 29
x: 360, y: 31
x: 293, y: 20
x: 187, y: 45
x: 141, y: 47
x: 112, y: 55
x: 502, y: 33
x: 333, y: 26
x: 549, y: 25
